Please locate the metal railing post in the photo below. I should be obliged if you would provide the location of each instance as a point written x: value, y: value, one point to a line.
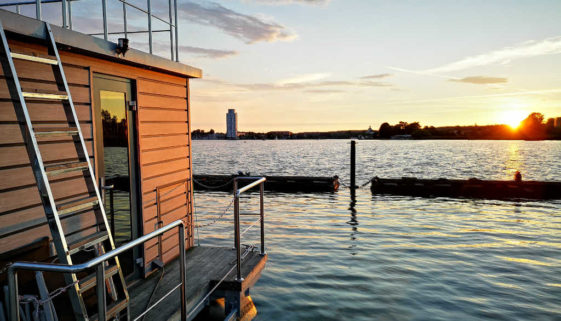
x: 237, y: 231
x: 262, y: 215
x: 125, y: 19
x: 112, y: 211
x: 149, y: 25
x: 18, y: 9
x: 70, y: 15
x: 104, y: 9
x: 175, y: 25
x: 13, y: 308
x: 38, y: 9
x: 159, y: 223
x: 64, y: 14
x: 170, y: 29
x: 183, y: 296
x: 100, y: 289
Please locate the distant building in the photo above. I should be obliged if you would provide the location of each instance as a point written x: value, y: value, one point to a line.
x: 557, y: 122
x: 231, y: 124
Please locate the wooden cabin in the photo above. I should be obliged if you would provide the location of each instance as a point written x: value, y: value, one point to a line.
x: 134, y: 113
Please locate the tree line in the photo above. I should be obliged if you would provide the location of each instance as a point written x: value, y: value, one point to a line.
x: 533, y: 127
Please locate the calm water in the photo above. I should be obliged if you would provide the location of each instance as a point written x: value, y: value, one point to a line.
x: 395, y: 258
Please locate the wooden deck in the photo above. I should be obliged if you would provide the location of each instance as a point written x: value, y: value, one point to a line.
x: 204, y: 267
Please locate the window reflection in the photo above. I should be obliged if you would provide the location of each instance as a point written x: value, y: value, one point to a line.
x: 114, y: 119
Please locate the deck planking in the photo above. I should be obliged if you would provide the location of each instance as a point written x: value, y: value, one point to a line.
x: 204, y: 267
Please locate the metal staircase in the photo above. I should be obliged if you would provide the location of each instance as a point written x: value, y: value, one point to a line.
x: 117, y: 300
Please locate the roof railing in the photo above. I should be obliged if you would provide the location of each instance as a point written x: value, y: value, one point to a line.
x: 66, y: 7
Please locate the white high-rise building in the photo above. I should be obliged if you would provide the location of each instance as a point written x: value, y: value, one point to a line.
x: 232, y: 124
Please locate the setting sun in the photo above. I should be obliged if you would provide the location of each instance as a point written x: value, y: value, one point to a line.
x: 513, y: 118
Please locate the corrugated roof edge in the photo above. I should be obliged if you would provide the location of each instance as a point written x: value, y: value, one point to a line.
x: 90, y: 45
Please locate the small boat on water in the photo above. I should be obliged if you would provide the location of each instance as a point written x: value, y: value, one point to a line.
x: 470, y: 188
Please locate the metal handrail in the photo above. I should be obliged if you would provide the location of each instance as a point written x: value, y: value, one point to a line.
x: 98, y: 262
x: 66, y: 6
x: 237, y: 192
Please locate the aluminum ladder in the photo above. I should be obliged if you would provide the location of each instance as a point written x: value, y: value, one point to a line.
x: 118, y: 297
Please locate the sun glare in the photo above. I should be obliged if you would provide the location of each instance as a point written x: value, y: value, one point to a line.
x: 513, y: 118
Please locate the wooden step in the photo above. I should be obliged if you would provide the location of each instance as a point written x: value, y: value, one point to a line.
x: 44, y: 96
x: 113, y: 310
x: 76, y: 206
x: 86, y: 242
x: 90, y: 281
x: 57, y: 169
x: 43, y: 60
x: 51, y: 131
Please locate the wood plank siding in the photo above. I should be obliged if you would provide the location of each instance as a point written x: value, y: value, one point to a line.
x: 164, y: 149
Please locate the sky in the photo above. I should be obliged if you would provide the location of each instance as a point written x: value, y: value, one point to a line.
x: 316, y: 65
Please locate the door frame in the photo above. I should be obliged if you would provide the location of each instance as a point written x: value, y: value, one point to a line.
x: 128, y: 86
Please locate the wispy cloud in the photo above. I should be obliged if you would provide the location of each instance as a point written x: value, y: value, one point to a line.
x: 376, y: 76
x: 463, y: 98
x: 207, y: 52
x: 303, y: 78
x: 324, y: 91
x: 526, y: 49
x: 481, y: 80
x: 249, y: 28
x: 304, y: 85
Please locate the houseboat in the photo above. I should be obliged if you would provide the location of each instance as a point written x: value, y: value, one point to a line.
x: 96, y: 191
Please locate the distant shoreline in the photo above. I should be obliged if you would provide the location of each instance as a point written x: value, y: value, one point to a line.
x: 534, y: 127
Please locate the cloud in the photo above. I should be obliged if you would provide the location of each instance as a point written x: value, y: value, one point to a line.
x: 374, y: 84
x: 245, y: 27
x: 376, y: 76
x: 207, y: 53
x: 481, y: 80
x: 538, y: 92
x: 303, y: 78
x: 309, y: 85
x: 324, y: 91
x: 549, y: 46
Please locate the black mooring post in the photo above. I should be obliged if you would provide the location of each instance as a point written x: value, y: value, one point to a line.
x: 353, y: 161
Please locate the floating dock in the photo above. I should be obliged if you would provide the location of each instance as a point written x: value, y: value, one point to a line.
x: 471, y: 188
x: 288, y: 184
x: 206, y: 266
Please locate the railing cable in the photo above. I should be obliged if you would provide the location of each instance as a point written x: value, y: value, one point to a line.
x: 216, y: 217
x: 214, y: 187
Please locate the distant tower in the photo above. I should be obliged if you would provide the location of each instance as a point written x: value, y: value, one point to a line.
x: 232, y: 124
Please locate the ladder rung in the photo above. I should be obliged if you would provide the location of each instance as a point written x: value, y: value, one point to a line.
x: 113, y: 309
x: 65, y: 168
x: 90, y: 281
x: 45, y: 96
x: 76, y: 206
x: 34, y: 58
x: 86, y: 242
x: 48, y: 131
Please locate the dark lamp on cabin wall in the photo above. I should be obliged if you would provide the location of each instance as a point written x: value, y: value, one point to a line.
x: 122, y: 46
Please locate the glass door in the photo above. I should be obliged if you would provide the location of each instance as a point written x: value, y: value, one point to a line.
x: 117, y: 162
